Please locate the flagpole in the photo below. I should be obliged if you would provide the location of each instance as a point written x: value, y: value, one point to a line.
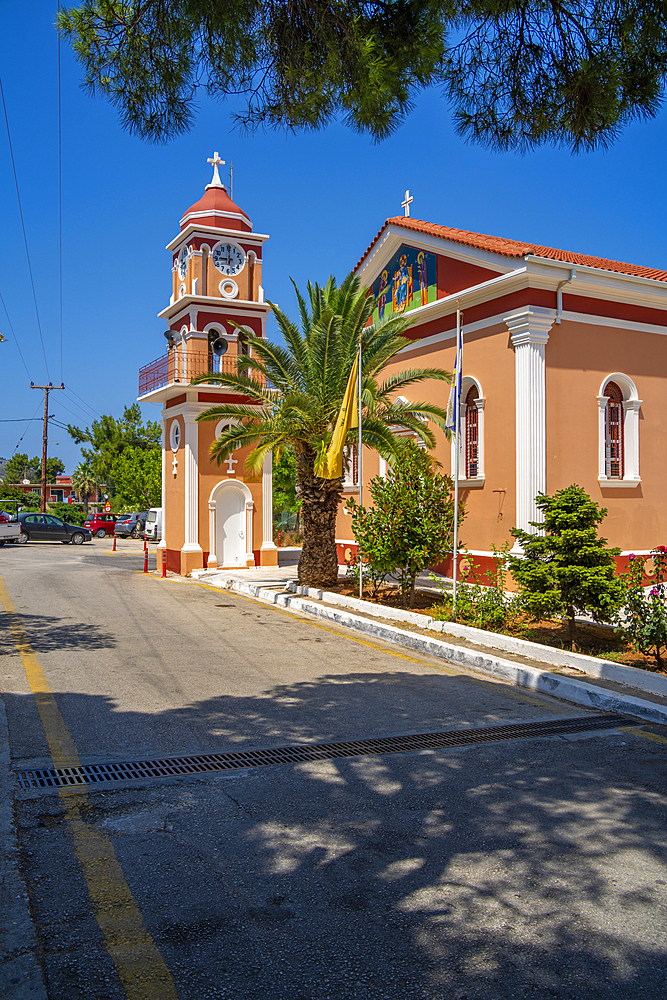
x: 360, y: 464
x: 457, y: 449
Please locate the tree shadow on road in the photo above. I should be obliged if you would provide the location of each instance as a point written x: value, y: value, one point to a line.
x: 48, y: 634
x: 522, y: 869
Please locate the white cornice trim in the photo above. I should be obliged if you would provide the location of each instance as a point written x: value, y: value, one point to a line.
x: 618, y: 324
x: 203, y: 302
x: 216, y: 213
x: 237, y: 234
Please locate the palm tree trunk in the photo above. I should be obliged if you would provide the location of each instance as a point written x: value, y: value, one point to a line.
x: 318, y: 565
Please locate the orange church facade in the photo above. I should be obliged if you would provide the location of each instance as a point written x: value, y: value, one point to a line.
x: 564, y: 376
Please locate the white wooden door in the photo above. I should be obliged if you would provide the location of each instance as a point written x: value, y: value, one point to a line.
x: 230, y: 528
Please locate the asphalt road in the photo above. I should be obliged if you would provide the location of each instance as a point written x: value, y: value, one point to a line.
x: 530, y: 868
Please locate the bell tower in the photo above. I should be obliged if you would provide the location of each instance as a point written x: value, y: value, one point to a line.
x: 213, y: 516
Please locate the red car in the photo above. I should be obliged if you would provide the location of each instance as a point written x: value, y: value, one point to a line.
x: 101, y: 524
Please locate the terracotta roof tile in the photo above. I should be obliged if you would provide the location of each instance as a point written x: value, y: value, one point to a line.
x: 515, y: 248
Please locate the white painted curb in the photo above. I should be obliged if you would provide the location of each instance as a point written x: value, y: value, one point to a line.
x: 633, y: 677
x: 569, y: 689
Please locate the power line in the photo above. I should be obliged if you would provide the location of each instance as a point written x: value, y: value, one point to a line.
x: 25, y: 238
x: 18, y: 346
x: 85, y: 403
x: 82, y: 408
x: 16, y: 447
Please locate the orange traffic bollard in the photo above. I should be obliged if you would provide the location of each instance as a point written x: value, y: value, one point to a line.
x: 114, y: 541
x: 145, y: 560
x: 164, y: 562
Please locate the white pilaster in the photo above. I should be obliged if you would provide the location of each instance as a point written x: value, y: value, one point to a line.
x: 212, y: 557
x: 529, y: 328
x: 249, y: 508
x: 191, y: 455
x: 631, y: 408
x: 602, y: 437
x: 267, y: 504
x: 162, y: 544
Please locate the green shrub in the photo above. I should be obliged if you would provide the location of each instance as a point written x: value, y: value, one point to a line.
x: 69, y: 512
x: 645, y: 615
x: 487, y: 607
x: 566, y: 568
x: 410, y: 525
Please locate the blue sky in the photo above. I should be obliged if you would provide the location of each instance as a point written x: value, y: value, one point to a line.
x: 320, y: 196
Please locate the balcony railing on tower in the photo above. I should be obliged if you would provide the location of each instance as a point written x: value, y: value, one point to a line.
x: 174, y: 367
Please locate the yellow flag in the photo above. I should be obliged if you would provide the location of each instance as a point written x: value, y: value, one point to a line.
x: 332, y: 462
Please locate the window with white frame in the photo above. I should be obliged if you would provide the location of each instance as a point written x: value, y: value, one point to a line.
x: 471, y: 437
x: 350, y: 467
x: 618, y: 431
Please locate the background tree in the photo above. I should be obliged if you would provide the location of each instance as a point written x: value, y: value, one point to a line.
x: 285, y: 499
x: 296, y: 394
x: 27, y: 501
x: 137, y: 474
x: 517, y: 73
x: 109, y: 438
x: 20, y: 467
x: 568, y: 569
x: 85, y: 482
x: 411, y: 523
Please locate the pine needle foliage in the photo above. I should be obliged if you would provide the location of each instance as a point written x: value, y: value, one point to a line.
x: 566, y: 568
x: 516, y: 73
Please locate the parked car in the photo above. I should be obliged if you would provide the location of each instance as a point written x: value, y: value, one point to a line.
x: 49, y: 528
x: 101, y: 524
x: 130, y: 525
x: 153, y: 529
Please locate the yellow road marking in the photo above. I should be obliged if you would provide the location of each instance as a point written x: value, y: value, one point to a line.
x: 138, y: 962
x: 450, y: 672
x: 644, y: 735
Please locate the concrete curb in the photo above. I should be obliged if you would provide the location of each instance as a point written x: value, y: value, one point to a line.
x: 543, y: 681
x: 632, y: 677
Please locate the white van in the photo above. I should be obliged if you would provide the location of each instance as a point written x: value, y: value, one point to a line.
x: 153, y: 530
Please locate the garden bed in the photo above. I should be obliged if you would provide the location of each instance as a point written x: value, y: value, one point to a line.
x: 591, y: 639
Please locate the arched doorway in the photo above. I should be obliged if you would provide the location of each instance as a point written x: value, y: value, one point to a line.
x: 230, y: 513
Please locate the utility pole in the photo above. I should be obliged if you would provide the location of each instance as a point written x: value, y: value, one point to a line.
x: 47, y: 389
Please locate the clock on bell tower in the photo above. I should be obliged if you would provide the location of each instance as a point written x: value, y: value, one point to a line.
x: 213, y: 516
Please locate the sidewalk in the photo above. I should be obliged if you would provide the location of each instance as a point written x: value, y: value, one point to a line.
x: 581, y: 680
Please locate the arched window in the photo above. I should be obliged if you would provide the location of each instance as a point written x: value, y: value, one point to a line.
x: 471, y: 433
x: 618, y: 408
x: 614, y: 432
x: 471, y: 439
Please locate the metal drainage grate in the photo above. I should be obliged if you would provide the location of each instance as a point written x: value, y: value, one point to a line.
x: 90, y: 774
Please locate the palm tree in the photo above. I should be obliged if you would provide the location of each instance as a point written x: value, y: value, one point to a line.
x: 85, y: 482
x: 296, y: 394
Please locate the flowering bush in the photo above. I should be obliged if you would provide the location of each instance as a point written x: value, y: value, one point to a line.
x: 645, y: 615
x: 487, y: 607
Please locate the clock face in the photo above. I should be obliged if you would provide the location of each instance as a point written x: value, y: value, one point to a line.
x: 183, y: 263
x: 228, y: 258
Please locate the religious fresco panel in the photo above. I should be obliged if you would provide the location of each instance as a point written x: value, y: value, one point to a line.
x: 408, y: 280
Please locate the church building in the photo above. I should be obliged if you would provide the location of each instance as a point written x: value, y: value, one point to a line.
x: 212, y: 515
x: 564, y: 376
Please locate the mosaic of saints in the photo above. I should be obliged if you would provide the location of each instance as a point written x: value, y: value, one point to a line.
x: 402, y: 286
x: 382, y: 293
x: 423, y: 280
